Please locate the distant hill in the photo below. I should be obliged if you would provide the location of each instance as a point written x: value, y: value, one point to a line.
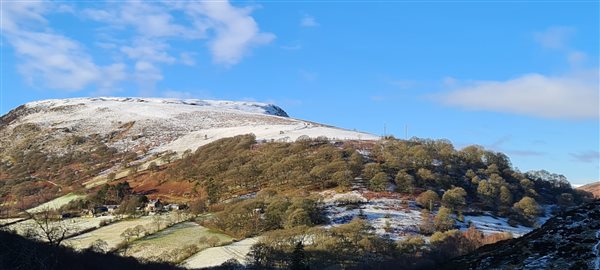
x: 568, y: 241
x: 593, y: 188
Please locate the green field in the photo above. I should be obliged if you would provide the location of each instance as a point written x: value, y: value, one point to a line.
x: 168, y: 244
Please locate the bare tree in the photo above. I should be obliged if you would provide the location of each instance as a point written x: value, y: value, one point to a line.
x: 158, y: 222
x: 50, y: 227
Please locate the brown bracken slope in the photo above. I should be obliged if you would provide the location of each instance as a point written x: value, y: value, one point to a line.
x: 593, y: 188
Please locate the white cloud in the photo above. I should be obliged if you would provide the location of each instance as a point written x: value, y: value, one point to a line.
x: 591, y: 156
x: 54, y: 60
x: 47, y: 58
x: 230, y: 31
x: 308, y: 21
x: 554, y: 37
x: 236, y: 31
x: 148, y: 50
x: 147, y: 75
x: 572, y: 96
x: 150, y: 20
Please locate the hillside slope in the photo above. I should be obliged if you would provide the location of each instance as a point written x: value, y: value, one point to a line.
x: 138, y: 124
x: 58, y: 146
x: 593, y: 188
x: 567, y: 241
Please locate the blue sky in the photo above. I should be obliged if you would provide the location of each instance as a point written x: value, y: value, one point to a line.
x: 521, y: 78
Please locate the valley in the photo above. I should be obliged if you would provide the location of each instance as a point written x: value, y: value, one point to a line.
x: 195, y: 184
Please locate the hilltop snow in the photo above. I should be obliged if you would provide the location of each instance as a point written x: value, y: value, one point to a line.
x: 156, y: 125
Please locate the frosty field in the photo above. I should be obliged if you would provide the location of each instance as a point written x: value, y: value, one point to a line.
x: 217, y: 255
x: 56, y: 203
x: 111, y: 233
x: 74, y: 225
x: 174, y: 238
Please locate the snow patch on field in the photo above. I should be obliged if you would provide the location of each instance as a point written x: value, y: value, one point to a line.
x: 112, y: 233
x: 218, y: 255
x: 56, y: 203
x: 390, y: 217
x: 397, y: 218
x: 5, y: 221
x: 285, y: 133
x: 490, y: 225
x: 172, y: 238
x: 73, y: 225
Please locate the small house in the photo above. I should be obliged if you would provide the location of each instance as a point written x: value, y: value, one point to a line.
x: 154, y: 205
x: 111, y: 209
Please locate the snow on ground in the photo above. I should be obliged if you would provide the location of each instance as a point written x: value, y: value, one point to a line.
x: 56, y: 203
x: 112, y: 233
x: 489, y: 225
x: 396, y: 218
x: 217, y: 255
x: 172, y: 238
x: 74, y: 225
x: 390, y: 217
x: 286, y: 133
x: 9, y: 220
x: 163, y: 121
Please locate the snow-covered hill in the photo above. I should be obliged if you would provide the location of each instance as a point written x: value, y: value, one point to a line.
x: 156, y: 125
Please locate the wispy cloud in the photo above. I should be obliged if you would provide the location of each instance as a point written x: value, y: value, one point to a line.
x: 308, y: 21
x: 587, y: 156
x: 187, y: 58
x: 500, y: 142
x: 236, y: 31
x: 554, y: 37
